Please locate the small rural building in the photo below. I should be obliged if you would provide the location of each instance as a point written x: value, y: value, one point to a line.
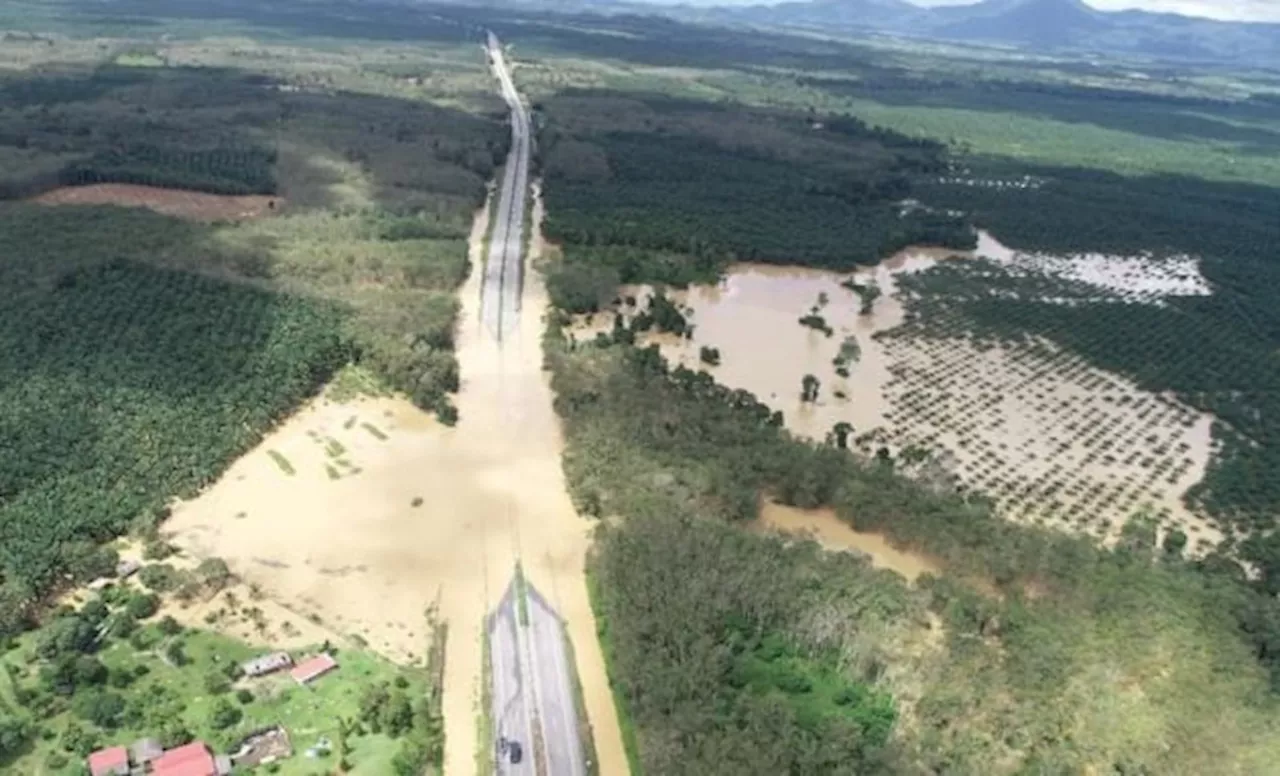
x: 266, y: 664
x: 193, y: 759
x: 112, y: 761
x: 309, y: 670
x: 145, y: 750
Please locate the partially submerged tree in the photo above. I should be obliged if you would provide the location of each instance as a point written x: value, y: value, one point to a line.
x: 809, y: 388
x: 842, y: 430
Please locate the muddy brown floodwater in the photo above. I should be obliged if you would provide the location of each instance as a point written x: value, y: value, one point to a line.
x: 751, y: 317
x: 1054, y: 440
x: 824, y: 527
x: 402, y: 513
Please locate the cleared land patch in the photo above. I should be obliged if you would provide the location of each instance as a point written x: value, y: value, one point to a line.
x: 194, y: 205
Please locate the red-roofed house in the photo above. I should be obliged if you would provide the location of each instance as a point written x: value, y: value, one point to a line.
x: 309, y: 670
x: 113, y: 761
x: 193, y: 759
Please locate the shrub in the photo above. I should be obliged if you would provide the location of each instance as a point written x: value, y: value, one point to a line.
x: 581, y: 288
x: 160, y: 577
x: 102, y: 708
x: 142, y: 605
x: 224, y: 715
x: 157, y: 549
x: 215, y: 683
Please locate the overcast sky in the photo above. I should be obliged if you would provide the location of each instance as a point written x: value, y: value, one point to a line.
x: 1248, y: 10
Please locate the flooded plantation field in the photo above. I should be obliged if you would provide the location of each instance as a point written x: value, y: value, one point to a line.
x: 1052, y: 439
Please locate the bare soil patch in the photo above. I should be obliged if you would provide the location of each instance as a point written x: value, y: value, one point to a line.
x: 193, y: 205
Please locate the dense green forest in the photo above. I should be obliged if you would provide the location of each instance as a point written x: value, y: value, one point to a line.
x: 235, y: 132
x: 718, y: 611
x: 178, y: 128
x: 625, y: 175
x: 127, y: 385
x: 144, y: 353
x: 1044, y: 677
x: 1034, y: 652
x: 399, y: 181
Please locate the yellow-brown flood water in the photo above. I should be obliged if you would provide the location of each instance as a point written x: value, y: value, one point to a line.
x: 426, y: 516
x: 824, y: 527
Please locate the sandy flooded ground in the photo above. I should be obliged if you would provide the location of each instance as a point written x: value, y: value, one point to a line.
x: 193, y: 205
x: 1055, y: 441
x: 387, y: 512
x: 236, y: 609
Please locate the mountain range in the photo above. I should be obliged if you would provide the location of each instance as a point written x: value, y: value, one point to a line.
x: 1040, y: 25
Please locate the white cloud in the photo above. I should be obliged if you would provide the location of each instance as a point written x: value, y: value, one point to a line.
x: 1241, y: 10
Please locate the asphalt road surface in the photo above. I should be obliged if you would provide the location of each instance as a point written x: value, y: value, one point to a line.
x: 512, y: 697
x: 532, y: 675
x: 533, y: 688
x: 553, y: 687
x: 504, y: 265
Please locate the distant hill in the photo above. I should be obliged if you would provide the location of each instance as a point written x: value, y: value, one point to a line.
x: 1024, y: 22
x: 850, y: 14
x: 1057, y: 24
x: 1040, y: 25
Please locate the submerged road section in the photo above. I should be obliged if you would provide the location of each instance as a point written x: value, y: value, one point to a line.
x: 533, y: 697
x: 536, y: 728
x: 504, y: 268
